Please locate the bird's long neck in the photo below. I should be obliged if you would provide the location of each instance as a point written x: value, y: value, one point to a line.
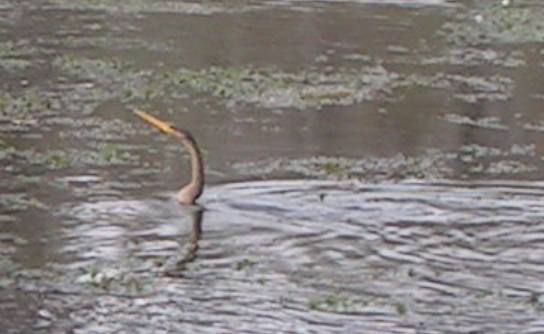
x: 189, y: 193
x: 197, y: 168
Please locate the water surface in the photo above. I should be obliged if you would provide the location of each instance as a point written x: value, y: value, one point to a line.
x: 372, y: 167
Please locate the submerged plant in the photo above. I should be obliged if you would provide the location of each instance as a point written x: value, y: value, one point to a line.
x: 333, y: 303
x: 245, y: 264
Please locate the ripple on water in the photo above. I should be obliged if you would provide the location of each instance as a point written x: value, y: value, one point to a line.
x: 311, y: 256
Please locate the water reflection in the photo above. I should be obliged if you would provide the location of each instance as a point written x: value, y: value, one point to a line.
x: 190, y: 252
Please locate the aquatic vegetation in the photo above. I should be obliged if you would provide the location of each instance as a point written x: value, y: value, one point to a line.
x: 16, y: 202
x: 274, y: 89
x: 482, y: 122
x: 471, y: 56
x: 39, y: 162
x: 95, y: 129
x: 117, y: 43
x: 111, y: 79
x: 109, y: 278
x: 333, y: 303
x: 8, y: 238
x: 333, y: 168
x: 89, y: 68
x: 537, y: 301
x: 268, y: 88
x: 265, y: 87
x: 23, y: 107
x: 8, y: 267
x: 337, y: 303
x: 400, y: 308
x: 49, y: 160
x: 19, y: 182
x: 470, y: 89
x: 122, y: 80
x: 495, y: 23
x: 491, y: 161
x: 110, y: 153
x: 509, y: 167
x: 479, y: 151
x: 99, y: 278
x: 245, y: 264
x: 433, y: 164
x: 15, y: 55
x: 57, y: 160
x: 14, y: 65
x: 105, y: 155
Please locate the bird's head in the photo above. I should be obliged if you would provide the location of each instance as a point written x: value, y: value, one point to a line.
x: 165, y: 127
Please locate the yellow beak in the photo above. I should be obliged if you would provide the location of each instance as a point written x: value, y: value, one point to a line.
x: 163, y: 126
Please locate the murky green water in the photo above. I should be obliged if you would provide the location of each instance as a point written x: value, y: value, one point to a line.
x: 373, y: 167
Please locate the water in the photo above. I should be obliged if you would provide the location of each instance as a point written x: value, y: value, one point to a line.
x: 306, y: 256
x: 372, y: 167
x: 295, y: 256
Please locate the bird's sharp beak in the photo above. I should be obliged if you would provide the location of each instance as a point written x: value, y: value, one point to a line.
x: 163, y: 126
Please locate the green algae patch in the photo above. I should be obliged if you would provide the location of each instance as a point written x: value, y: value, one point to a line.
x: 104, y: 155
x: 495, y: 23
x: 471, y: 160
x: 23, y: 106
x: 7, y: 266
x: 89, y: 68
x: 113, y: 154
x: 23, y: 113
x: 333, y: 168
x: 244, y: 264
x: 534, y: 126
x: 334, y: 304
x: 509, y: 167
x: 57, y: 160
x: 266, y: 88
x: 16, y: 55
x: 14, y: 65
x: 432, y: 165
x: 480, y: 151
x: 38, y: 162
x: 337, y: 303
x: 113, y: 280
x: 110, y: 79
x: 471, y: 56
x: 275, y: 89
x: 467, y: 88
x: 481, y: 122
x: 30, y: 159
x: 17, y: 202
x: 94, y: 128
x: 115, y: 43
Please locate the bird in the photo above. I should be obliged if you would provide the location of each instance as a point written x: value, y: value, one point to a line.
x: 191, y: 191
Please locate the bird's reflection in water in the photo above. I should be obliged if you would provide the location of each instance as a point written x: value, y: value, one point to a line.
x: 178, y: 266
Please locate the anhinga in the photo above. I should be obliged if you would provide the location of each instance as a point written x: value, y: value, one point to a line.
x: 190, y: 192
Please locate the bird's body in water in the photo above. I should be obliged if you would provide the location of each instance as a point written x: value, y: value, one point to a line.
x: 192, y: 191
